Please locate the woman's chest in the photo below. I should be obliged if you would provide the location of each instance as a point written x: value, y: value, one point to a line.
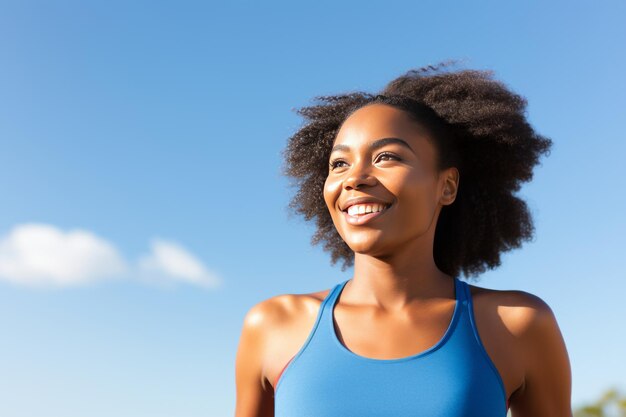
x: 377, y: 340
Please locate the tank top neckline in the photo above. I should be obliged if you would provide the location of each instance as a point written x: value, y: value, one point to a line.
x: 460, y: 300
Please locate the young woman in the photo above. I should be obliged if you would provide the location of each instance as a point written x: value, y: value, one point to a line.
x: 411, y: 186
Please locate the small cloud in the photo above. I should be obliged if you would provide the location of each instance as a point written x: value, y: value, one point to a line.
x: 169, y: 262
x: 38, y: 255
x: 42, y: 255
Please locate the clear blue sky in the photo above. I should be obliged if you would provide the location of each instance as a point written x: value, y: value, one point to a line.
x: 143, y: 212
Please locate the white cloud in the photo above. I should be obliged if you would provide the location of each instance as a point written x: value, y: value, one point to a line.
x: 42, y: 255
x: 168, y: 261
x: 35, y: 254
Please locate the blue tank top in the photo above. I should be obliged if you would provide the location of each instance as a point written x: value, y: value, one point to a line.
x: 453, y: 378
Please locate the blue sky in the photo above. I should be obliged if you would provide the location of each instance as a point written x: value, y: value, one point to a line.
x: 143, y: 211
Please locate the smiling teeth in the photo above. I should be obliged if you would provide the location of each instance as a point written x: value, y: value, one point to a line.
x: 359, y: 209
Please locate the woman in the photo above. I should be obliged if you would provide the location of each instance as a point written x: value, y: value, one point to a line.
x: 412, y: 186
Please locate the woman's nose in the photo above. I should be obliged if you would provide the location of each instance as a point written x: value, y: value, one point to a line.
x: 360, y: 174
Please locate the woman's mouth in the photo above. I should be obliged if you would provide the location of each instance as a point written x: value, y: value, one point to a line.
x: 359, y: 219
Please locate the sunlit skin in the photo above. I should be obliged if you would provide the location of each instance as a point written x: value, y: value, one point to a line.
x: 394, y: 262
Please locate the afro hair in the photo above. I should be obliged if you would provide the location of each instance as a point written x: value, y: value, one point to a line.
x: 478, y: 125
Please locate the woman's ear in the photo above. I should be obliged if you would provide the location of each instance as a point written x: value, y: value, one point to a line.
x: 450, y: 186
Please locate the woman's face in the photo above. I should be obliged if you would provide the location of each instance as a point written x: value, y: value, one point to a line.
x: 400, y: 173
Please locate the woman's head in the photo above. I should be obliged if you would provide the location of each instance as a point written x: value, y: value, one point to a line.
x: 468, y: 148
x: 383, y: 155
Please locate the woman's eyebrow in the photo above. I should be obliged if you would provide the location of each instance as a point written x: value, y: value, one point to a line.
x: 379, y: 143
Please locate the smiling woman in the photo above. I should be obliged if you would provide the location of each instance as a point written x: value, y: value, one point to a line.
x: 412, y: 186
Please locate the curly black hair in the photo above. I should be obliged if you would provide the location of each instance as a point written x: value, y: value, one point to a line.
x: 477, y: 124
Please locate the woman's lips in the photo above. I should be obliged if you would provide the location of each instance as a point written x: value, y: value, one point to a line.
x: 364, y: 218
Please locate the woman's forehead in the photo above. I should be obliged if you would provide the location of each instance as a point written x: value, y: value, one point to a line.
x: 376, y: 121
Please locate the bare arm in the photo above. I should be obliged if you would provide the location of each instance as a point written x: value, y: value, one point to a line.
x: 255, y: 398
x: 546, y: 391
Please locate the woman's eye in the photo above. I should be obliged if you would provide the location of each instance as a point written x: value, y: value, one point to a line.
x: 388, y: 155
x: 333, y: 164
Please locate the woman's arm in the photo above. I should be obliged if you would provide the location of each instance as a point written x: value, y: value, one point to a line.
x: 546, y: 391
x: 255, y: 398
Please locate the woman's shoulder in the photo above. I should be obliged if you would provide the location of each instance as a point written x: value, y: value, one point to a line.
x: 537, y: 342
x: 282, y: 322
x: 518, y: 310
x: 284, y: 311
